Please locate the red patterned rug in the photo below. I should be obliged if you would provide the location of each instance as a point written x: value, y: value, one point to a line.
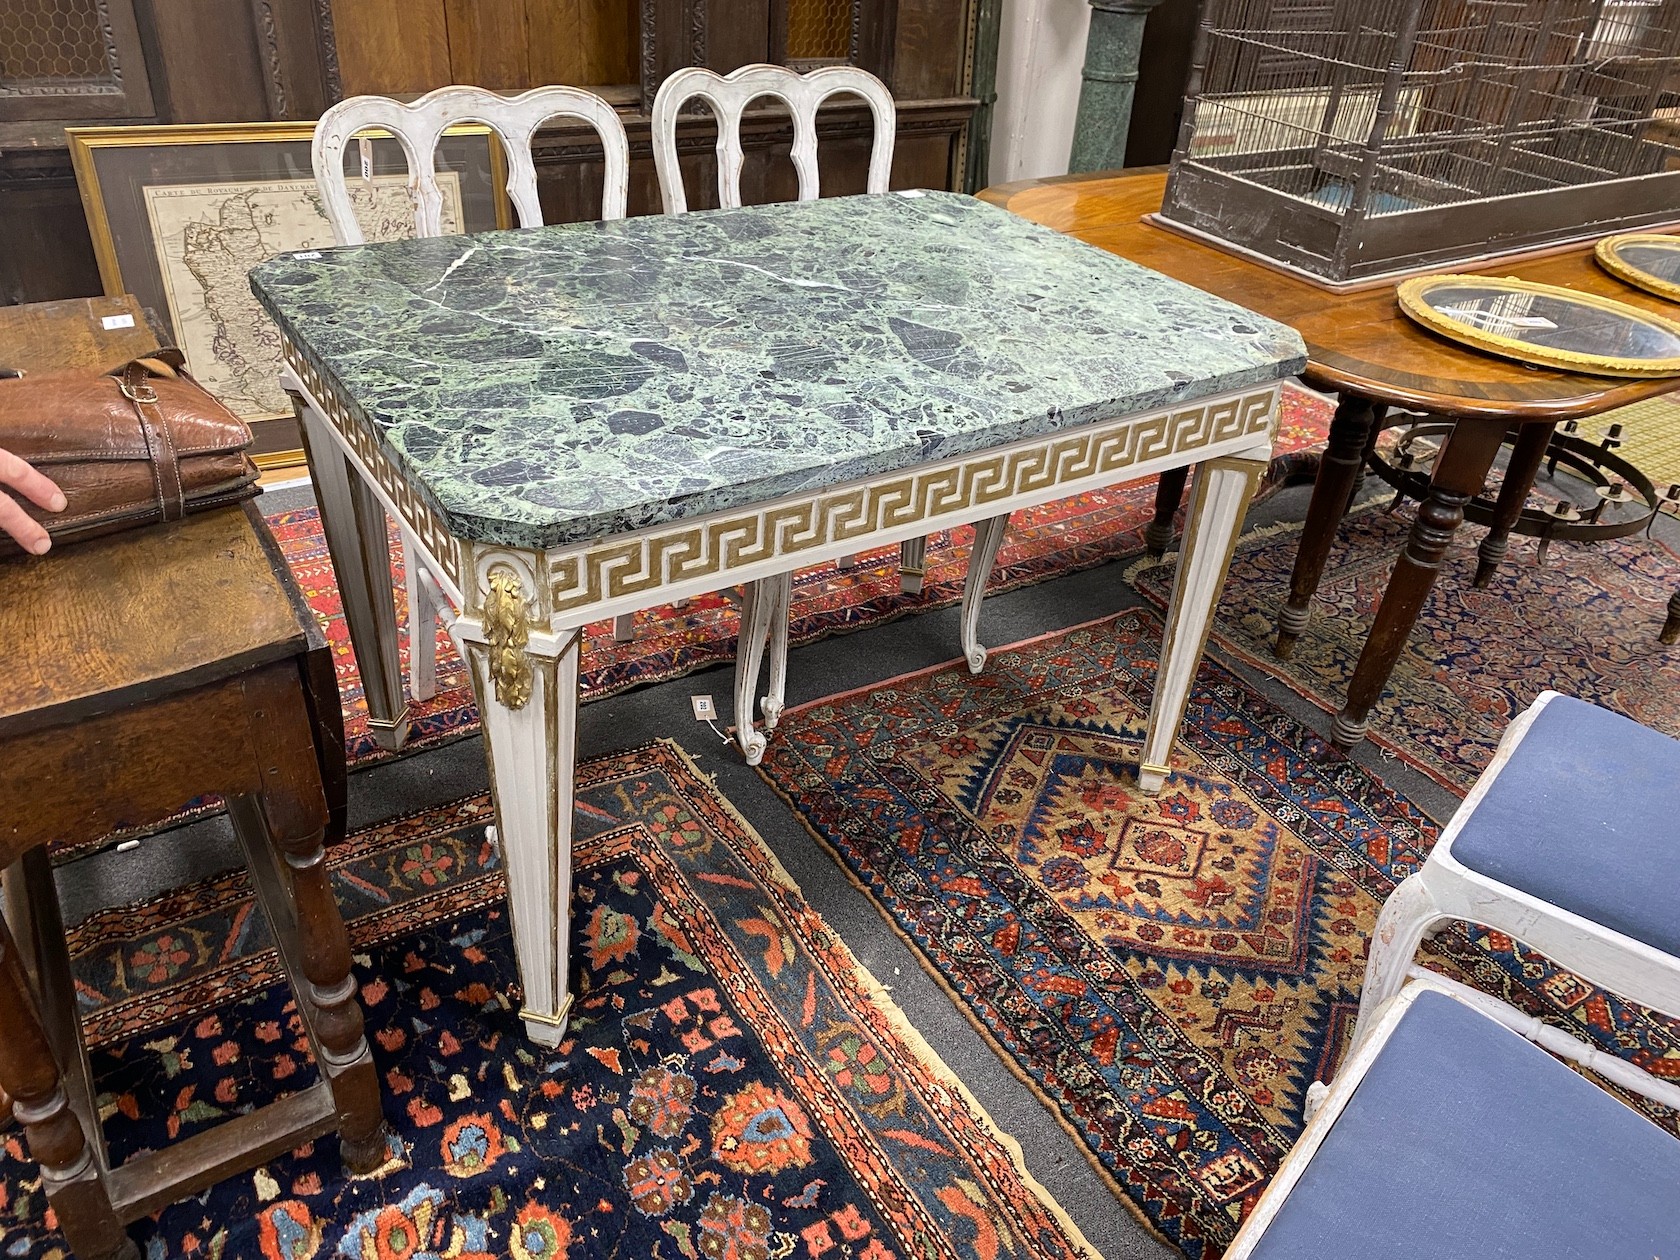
x: 1169, y: 973
x: 1585, y: 624
x: 1058, y: 538
x: 734, y: 1085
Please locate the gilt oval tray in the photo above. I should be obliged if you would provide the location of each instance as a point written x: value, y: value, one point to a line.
x: 1646, y: 260
x: 1545, y: 325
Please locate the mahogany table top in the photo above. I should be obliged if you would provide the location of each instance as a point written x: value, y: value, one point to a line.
x: 1358, y: 341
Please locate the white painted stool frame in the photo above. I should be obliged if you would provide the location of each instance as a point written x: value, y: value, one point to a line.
x: 418, y: 127
x: 1445, y: 891
x: 522, y: 612
x: 1376, y: 1026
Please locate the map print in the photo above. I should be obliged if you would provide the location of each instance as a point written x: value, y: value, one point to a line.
x: 208, y: 236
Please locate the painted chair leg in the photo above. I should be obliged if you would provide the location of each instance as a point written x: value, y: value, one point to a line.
x: 525, y: 679
x: 759, y: 604
x: 1218, y: 504
x: 988, y: 537
x: 422, y: 627
x: 912, y: 565
x: 775, y: 697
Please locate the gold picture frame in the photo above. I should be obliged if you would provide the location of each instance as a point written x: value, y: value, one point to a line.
x: 1609, y: 256
x: 178, y: 215
x: 1414, y: 294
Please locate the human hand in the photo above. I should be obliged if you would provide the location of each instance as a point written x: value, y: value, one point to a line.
x: 28, y: 532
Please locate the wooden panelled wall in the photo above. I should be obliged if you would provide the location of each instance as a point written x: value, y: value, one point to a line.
x: 399, y: 46
x: 254, y: 60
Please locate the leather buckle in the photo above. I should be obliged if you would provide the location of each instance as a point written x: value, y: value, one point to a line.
x: 140, y: 393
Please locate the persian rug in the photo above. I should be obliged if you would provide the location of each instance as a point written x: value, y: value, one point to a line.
x: 1058, y: 538
x: 1585, y: 623
x: 1168, y: 973
x: 733, y: 1086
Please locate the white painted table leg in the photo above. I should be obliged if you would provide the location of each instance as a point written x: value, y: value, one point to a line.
x: 422, y: 626
x: 1223, y: 490
x: 527, y: 697
x: 354, y: 524
x: 988, y: 537
x: 912, y: 565
x: 624, y: 628
x: 762, y: 602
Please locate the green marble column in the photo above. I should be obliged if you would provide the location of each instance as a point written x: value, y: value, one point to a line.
x: 1110, y: 74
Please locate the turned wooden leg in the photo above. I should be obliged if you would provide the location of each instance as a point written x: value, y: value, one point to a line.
x: 1344, y: 456
x: 1526, y: 458
x: 30, y: 1078
x: 1371, y: 438
x: 282, y: 828
x: 1460, y: 473
x: 1169, y: 493
x: 1671, y: 628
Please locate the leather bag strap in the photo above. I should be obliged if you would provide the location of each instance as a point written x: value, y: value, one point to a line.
x: 136, y: 386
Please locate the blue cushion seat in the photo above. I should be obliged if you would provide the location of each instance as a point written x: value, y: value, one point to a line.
x: 1586, y: 816
x: 1465, y: 1141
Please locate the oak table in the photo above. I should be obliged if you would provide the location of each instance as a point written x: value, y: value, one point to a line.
x: 143, y: 670
x: 1363, y: 348
x: 580, y: 421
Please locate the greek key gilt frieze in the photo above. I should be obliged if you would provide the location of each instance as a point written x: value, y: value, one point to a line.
x: 717, y: 545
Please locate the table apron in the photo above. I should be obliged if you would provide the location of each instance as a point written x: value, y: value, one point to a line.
x: 584, y: 582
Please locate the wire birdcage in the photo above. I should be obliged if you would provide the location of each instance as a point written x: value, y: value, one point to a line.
x: 1355, y: 138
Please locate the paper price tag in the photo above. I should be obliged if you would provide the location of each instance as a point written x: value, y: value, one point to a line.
x: 308, y: 255
x: 112, y: 322
x: 367, y: 158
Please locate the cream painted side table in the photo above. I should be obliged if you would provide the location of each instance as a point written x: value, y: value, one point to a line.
x: 578, y: 421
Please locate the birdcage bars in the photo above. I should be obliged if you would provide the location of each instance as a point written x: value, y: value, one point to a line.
x: 1363, y: 137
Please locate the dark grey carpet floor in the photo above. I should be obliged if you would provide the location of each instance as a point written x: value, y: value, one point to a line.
x: 820, y: 669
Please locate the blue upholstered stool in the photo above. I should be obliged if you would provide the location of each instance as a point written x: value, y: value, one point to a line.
x: 1570, y: 843
x: 1447, y: 1135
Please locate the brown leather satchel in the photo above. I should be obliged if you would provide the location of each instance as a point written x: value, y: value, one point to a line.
x: 139, y: 444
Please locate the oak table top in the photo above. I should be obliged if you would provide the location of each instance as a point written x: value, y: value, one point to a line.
x: 554, y: 385
x: 1357, y: 341
x: 103, y: 624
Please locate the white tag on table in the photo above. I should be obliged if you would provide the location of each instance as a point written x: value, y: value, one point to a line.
x: 367, y: 158
x: 112, y: 322
x: 308, y: 255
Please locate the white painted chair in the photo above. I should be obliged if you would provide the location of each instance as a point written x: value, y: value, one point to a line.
x: 418, y: 127
x: 764, y: 610
x: 1445, y: 1135
x: 1570, y: 843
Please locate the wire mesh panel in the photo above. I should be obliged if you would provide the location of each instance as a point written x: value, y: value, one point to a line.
x: 1348, y: 138
x: 44, y: 42
x: 819, y: 30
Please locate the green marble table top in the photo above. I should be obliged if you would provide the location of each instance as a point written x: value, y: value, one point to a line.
x: 561, y: 384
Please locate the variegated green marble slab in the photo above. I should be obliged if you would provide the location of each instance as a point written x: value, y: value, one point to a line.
x: 559, y: 384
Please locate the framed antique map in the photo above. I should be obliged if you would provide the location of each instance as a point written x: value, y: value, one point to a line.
x: 180, y: 215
